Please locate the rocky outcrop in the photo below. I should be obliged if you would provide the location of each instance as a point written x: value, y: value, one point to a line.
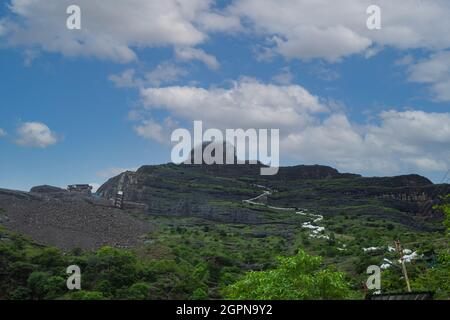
x: 47, y: 189
x: 69, y: 220
x: 212, y: 191
x: 418, y: 196
x: 53, y: 216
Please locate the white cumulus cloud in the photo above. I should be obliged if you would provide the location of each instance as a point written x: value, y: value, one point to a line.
x: 333, y: 30
x: 296, y: 29
x: 152, y: 130
x: 303, y: 29
x: 126, y: 79
x: 311, y: 130
x: 188, y: 54
x: 35, y: 134
x: 246, y: 104
x: 434, y: 71
x: 109, y: 29
x: 402, y: 141
x: 164, y: 73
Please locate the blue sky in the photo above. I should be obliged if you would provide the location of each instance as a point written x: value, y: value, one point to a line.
x: 79, y: 106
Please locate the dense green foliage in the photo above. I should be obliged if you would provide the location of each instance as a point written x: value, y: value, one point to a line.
x: 437, y: 278
x: 297, y: 277
x: 32, y: 272
x: 193, y: 258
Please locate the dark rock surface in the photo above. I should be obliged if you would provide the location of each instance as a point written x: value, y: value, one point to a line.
x: 68, y: 220
x: 56, y: 217
x: 211, y: 192
x: 47, y: 189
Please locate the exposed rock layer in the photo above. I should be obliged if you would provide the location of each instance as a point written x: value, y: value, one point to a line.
x: 68, y: 220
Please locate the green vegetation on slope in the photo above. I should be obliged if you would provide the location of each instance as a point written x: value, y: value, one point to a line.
x: 437, y: 278
x: 195, y: 258
x: 297, y: 277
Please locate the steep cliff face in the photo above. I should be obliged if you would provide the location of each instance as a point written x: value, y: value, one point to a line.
x: 185, y: 190
x: 411, y: 180
x: 213, y: 192
x: 137, y: 186
x: 126, y: 182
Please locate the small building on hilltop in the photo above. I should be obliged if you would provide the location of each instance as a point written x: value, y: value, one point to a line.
x: 80, y: 188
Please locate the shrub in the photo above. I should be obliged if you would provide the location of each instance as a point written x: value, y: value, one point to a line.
x: 299, y: 277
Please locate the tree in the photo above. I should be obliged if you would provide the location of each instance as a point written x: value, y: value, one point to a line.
x: 445, y: 208
x: 55, y: 287
x: 437, y: 279
x: 86, y: 295
x: 45, y: 286
x: 20, y: 293
x: 118, y: 267
x: 138, y: 291
x: 36, y: 282
x: 296, y: 278
x: 199, y: 294
x: 49, y: 258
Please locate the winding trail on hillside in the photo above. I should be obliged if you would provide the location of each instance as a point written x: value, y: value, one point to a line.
x: 316, y: 231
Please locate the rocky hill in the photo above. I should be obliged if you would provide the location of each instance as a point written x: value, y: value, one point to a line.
x: 55, y: 217
x: 214, y: 192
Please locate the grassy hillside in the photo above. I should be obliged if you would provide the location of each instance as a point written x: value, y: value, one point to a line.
x: 204, y: 237
x: 194, y: 258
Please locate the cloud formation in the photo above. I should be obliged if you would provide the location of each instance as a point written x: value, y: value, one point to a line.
x: 434, y: 71
x: 153, y: 130
x: 248, y: 103
x: 333, y: 30
x: 189, y: 54
x: 35, y: 134
x: 103, y: 33
x: 402, y: 141
x: 164, y: 73
x: 311, y: 130
x: 297, y: 29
